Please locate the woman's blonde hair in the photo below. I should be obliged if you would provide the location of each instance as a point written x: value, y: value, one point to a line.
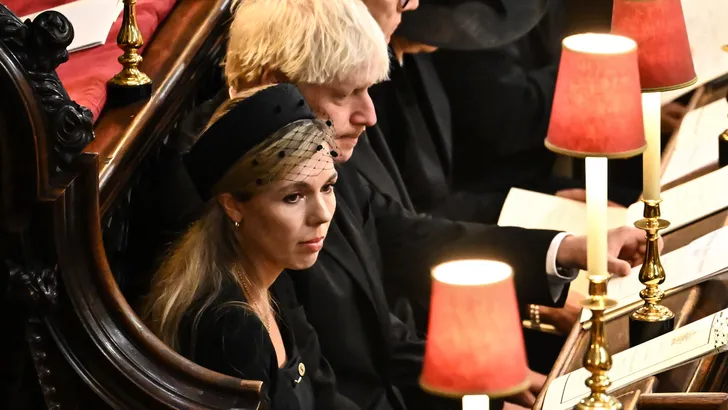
x: 207, y: 256
x: 309, y: 41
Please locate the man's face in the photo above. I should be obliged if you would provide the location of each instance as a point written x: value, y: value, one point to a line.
x: 348, y: 105
x: 388, y: 13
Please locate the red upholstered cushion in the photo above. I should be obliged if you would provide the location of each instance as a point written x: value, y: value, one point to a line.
x: 86, y: 72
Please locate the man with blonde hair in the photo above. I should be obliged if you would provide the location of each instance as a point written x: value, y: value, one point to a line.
x: 333, y: 50
x: 327, y: 48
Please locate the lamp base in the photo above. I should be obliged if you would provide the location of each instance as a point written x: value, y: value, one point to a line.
x: 120, y: 95
x: 641, y: 330
x: 599, y: 402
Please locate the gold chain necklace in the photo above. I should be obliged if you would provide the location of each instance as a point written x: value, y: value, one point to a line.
x: 265, y: 320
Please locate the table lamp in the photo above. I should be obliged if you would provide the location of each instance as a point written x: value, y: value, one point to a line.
x: 130, y: 84
x: 665, y: 64
x: 597, y: 115
x: 475, y: 348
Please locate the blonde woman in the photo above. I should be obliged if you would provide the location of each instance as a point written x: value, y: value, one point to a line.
x: 265, y: 168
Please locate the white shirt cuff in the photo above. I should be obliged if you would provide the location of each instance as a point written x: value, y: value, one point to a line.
x: 557, y: 278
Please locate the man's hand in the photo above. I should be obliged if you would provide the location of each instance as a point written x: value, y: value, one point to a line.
x: 626, y: 248
x: 563, y: 319
x: 527, y: 398
x: 578, y: 194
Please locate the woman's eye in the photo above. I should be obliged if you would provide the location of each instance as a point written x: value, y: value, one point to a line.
x: 292, y: 199
x: 328, y: 188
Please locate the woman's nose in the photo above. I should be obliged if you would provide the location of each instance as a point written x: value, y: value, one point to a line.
x: 323, y: 210
x: 409, y: 5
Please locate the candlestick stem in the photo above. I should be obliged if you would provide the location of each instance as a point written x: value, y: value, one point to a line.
x: 652, y: 319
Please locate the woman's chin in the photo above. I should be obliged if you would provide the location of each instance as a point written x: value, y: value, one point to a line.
x: 305, y: 262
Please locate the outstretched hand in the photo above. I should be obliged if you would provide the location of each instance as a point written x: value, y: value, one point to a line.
x: 527, y: 398
x: 626, y: 247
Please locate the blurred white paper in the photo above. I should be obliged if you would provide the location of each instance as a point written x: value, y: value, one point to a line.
x: 91, y: 20
x: 708, y: 33
x: 696, y: 144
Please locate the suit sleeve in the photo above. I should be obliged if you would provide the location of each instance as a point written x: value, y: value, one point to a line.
x: 412, y: 244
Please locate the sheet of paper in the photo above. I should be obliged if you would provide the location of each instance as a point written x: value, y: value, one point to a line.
x: 91, y: 20
x: 535, y: 210
x: 701, y: 258
x: 696, y: 144
x: 693, y: 200
x: 708, y: 33
x: 698, y: 339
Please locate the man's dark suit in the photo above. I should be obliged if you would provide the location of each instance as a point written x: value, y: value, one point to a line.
x: 413, y: 115
x: 374, y: 237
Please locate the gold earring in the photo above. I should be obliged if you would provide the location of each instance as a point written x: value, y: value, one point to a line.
x: 237, y: 224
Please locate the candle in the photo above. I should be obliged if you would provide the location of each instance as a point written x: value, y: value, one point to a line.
x: 596, y: 207
x: 479, y: 402
x: 651, y: 169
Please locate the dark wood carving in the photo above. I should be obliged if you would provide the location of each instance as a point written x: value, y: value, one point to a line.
x: 64, y: 216
x: 34, y: 288
x: 40, y: 47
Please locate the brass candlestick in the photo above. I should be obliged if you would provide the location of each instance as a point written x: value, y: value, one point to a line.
x: 652, y: 319
x: 130, y: 84
x: 597, y: 358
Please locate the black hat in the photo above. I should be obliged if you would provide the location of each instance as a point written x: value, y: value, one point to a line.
x: 249, y: 123
x: 471, y: 24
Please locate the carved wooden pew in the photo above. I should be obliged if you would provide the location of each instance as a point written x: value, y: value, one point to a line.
x: 65, y: 186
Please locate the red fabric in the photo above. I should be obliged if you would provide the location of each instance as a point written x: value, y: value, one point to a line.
x: 24, y: 7
x: 597, y: 106
x: 86, y: 72
x: 658, y: 27
x: 475, y: 340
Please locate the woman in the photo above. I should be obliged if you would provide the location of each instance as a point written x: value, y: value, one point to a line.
x: 264, y: 165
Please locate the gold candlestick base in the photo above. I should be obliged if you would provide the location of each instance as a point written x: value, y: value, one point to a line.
x: 597, y: 358
x: 652, y: 319
x: 130, y: 84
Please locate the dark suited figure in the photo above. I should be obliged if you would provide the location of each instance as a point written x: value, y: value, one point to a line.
x: 414, y: 121
x: 413, y: 117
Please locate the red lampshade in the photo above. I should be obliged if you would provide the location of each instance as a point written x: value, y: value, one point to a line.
x: 658, y: 27
x: 597, y: 107
x: 475, y: 341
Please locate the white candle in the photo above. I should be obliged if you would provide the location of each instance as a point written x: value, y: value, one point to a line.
x: 480, y: 402
x: 596, y: 210
x: 651, y: 170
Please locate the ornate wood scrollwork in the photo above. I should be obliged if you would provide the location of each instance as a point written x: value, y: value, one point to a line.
x: 40, y: 47
x: 34, y: 288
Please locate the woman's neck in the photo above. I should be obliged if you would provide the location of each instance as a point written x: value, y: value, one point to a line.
x: 261, y: 275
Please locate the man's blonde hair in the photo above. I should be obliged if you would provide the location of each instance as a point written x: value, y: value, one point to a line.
x: 308, y: 41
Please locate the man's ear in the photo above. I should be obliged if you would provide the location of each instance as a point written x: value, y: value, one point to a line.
x: 273, y: 77
x: 233, y: 208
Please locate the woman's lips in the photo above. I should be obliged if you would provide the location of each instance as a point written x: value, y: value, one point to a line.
x: 313, y: 245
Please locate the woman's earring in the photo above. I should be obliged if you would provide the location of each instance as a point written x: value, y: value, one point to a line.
x: 237, y: 224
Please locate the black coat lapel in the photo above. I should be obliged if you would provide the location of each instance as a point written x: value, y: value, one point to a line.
x: 372, y: 165
x: 346, y: 244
